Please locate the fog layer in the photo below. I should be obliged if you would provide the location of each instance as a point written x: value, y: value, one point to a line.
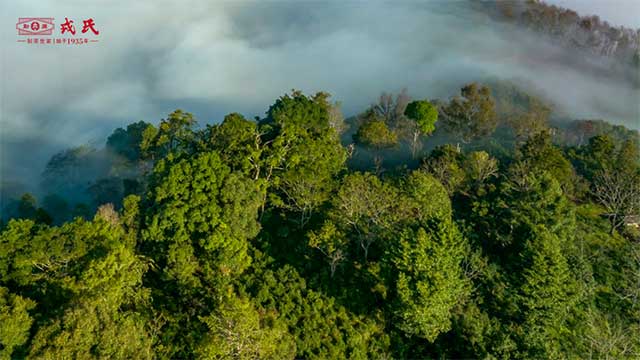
x: 210, y: 59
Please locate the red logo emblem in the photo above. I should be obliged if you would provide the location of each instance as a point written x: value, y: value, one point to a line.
x: 35, y: 26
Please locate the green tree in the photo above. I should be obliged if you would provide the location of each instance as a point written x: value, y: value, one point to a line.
x: 375, y: 134
x: 429, y: 279
x: 15, y: 321
x: 126, y: 142
x: 321, y: 326
x: 429, y: 196
x: 366, y: 207
x: 174, y: 134
x: 237, y: 330
x: 239, y: 143
x: 547, y: 295
x: 87, y: 282
x: 96, y: 323
x: 445, y: 164
x: 539, y: 154
x: 303, y: 153
x: 425, y: 116
x: 479, y: 167
x: 332, y: 243
x: 201, y: 218
x: 470, y: 115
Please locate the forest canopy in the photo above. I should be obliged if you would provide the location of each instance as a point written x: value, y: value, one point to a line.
x: 479, y: 226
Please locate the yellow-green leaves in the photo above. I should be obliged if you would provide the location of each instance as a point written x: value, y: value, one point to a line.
x: 15, y: 321
x: 430, y: 281
x: 202, y: 217
x: 424, y: 114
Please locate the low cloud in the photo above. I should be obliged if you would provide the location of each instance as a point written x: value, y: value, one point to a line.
x: 214, y: 58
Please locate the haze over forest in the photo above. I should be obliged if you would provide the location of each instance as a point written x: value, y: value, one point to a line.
x: 214, y: 58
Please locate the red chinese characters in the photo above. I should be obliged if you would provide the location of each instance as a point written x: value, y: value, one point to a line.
x: 89, y: 25
x: 68, y: 26
x: 45, y: 26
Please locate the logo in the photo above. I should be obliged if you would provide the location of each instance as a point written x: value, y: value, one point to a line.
x: 35, y: 26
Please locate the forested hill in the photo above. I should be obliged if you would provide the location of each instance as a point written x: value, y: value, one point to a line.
x: 587, y: 32
x: 485, y: 225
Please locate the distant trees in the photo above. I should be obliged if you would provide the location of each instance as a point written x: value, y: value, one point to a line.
x: 392, y: 120
x: 531, y: 122
x: 384, y: 126
x: 526, y: 114
x: 26, y: 207
x: 565, y: 26
x: 391, y: 110
x: 470, y: 115
x: 445, y: 163
x: 126, y: 142
x: 614, y: 173
x: 68, y: 172
x: 376, y: 134
x: 58, y: 208
x: 616, y: 186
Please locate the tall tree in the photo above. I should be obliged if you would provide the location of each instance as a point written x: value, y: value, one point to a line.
x: 425, y: 115
x: 304, y: 153
x: 429, y: 279
x: 539, y: 154
x: 367, y: 207
x: 173, y: 134
x: 547, y: 295
x: 201, y: 218
x: 239, y: 143
x: 470, y: 115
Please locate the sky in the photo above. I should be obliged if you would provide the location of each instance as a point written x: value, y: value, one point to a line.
x: 213, y: 58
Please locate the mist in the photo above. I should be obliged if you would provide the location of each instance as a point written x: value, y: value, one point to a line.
x: 214, y: 58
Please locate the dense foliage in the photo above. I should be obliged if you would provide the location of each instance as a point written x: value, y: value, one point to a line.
x: 499, y: 236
